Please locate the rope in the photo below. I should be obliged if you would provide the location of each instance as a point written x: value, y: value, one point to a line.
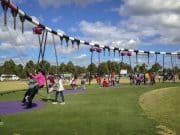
x: 22, y: 19
x: 14, y: 14
x: 15, y: 48
x: 55, y: 51
x: 130, y: 63
x: 163, y: 67
x: 148, y: 58
x: 5, y: 8
x: 156, y: 57
x: 136, y: 57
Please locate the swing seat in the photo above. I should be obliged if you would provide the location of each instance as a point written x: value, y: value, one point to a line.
x: 37, y: 30
x: 129, y: 53
x: 123, y: 53
x: 98, y: 50
x: 92, y: 49
x: 12, y: 6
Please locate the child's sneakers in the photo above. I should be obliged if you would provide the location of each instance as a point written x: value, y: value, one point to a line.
x: 54, y: 103
x: 62, y: 103
x: 26, y: 98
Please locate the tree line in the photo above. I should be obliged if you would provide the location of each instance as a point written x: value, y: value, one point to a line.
x: 104, y: 68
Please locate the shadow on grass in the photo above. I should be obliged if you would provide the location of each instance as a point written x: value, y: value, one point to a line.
x: 47, y: 99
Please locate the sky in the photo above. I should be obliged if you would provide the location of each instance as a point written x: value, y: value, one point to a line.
x: 132, y: 24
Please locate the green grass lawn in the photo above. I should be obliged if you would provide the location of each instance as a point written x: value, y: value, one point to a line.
x: 163, y: 106
x: 12, y: 85
x: 98, y: 111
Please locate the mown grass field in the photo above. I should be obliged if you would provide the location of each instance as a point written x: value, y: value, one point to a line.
x: 162, y: 106
x: 13, y: 85
x: 98, y: 111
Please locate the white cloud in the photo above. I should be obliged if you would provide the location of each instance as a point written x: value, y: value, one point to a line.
x: 107, y: 34
x: 82, y: 56
x: 142, y: 7
x: 82, y: 60
x: 58, y: 3
x: 24, y: 45
x: 56, y: 19
x: 149, y: 19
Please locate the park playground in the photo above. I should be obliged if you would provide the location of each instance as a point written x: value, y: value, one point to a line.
x: 122, y: 78
x: 127, y: 109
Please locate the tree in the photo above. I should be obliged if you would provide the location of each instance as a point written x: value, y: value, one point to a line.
x: 9, y: 67
x: 53, y: 69
x: 80, y: 70
x: 1, y: 70
x: 62, y: 68
x: 30, y: 67
x: 141, y: 68
x: 92, y: 68
x: 19, y: 70
x: 44, y: 65
x: 103, y: 69
x: 155, y: 67
x: 70, y: 67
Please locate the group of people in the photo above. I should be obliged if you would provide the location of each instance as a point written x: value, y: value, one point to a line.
x: 74, y: 83
x: 38, y: 81
x: 107, y: 82
x: 142, y: 78
x: 134, y: 79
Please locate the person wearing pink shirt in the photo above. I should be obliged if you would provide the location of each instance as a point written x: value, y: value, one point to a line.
x: 41, y: 80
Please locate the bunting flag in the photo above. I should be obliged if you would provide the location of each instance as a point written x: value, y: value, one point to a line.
x: 23, y: 16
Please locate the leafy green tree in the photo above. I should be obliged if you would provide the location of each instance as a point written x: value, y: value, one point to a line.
x: 141, y: 68
x: 9, y: 67
x: 92, y: 68
x: 80, y: 70
x: 19, y: 70
x: 53, y: 69
x: 103, y: 69
x: 30, y: 67
x: 70, y: 68
x: 1, y: 70
x: 63, y: 68
x: 155, y: 67
x: 44, y: 65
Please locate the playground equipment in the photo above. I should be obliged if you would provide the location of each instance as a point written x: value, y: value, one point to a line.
x: 42, y: 30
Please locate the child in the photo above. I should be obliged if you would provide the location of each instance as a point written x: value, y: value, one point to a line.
x: 113, y: 78
x: 74, y: 84
x: 83, y: 84
x: 51, y: 82
x: 32, y: 84
x: 105, y: 83
x: 59, y: 89
x: 40, y: 78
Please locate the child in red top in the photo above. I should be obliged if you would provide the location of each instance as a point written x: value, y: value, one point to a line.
x: 51, y: 82
x: 113, y: 78
x: 105, y: 83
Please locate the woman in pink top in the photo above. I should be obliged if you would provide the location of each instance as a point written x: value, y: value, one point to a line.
x: 41, y: 80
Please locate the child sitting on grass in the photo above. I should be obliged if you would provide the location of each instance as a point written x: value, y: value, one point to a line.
x: 105, y: 83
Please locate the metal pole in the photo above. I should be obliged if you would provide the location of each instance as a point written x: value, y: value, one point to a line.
x: 90, y: 69
x: 163, y: 67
